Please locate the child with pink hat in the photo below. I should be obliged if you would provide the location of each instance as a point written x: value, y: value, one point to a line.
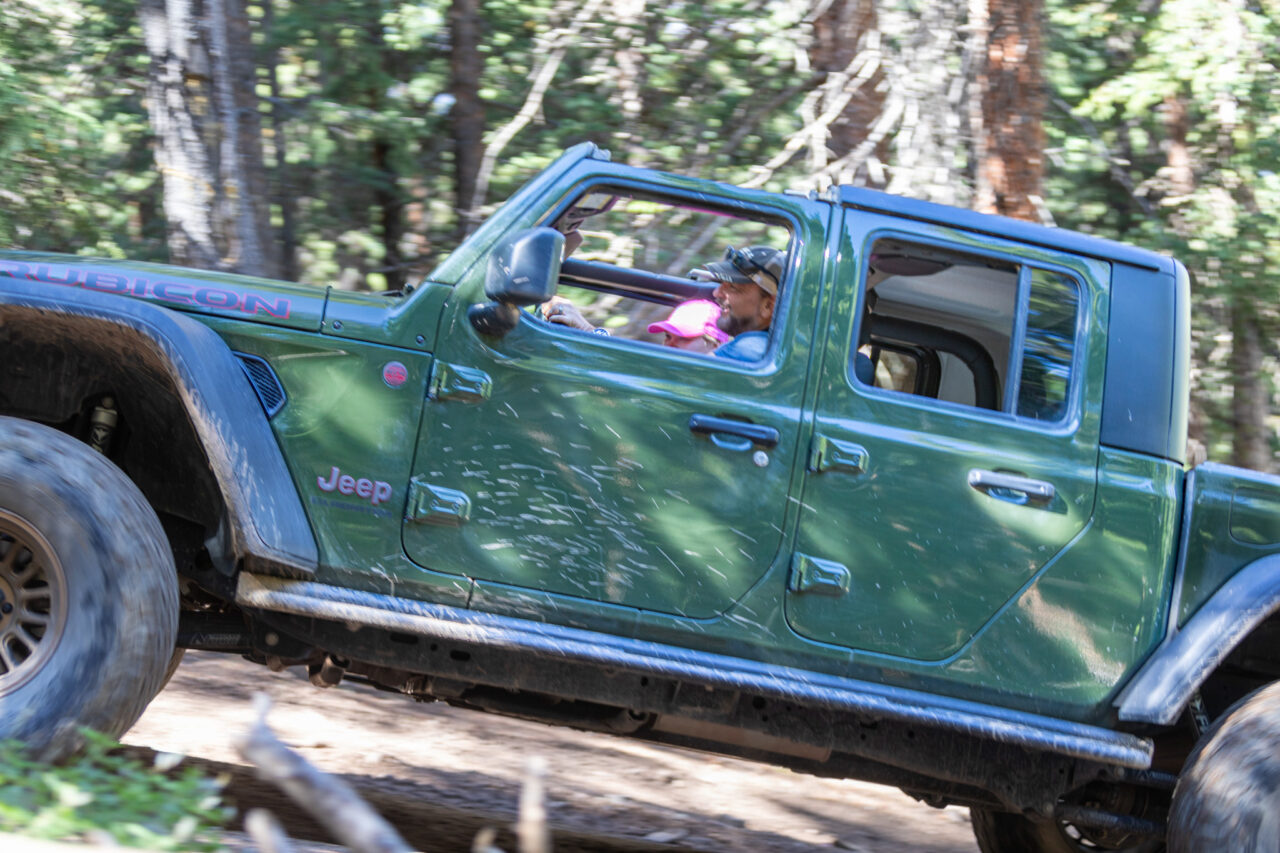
x: 692, y: 326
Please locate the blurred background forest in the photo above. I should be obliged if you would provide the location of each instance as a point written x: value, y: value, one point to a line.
x: 354, y: 142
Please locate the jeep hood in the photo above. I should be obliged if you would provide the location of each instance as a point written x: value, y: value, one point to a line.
x: 261, y: 300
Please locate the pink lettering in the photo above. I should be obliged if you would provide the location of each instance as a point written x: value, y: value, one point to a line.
x: 374, y: 491
x: 328, y: 486
x: 255, y: 304
x: 172, y: 292
x: 217, y: 298
x: 45, y: 273
x: 17, y: 269
x: 107, y: 282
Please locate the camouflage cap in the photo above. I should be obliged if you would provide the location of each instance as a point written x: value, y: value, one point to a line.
x: 759, y: 265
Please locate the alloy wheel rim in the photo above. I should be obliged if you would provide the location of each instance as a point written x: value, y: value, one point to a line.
x: 33, y: 601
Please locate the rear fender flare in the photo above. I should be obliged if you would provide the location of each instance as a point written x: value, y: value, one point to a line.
x: 1167, y: 681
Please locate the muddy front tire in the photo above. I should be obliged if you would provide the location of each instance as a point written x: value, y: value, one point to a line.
x: 1228, y: 795
x: 89, y: 612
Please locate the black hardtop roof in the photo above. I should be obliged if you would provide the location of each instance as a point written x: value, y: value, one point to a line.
x: 1003, y: 226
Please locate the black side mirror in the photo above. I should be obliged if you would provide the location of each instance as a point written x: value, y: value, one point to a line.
x: 523, y: 270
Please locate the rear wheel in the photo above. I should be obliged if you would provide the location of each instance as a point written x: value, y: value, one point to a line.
x: 88, y: 593
x: 1228, y: 795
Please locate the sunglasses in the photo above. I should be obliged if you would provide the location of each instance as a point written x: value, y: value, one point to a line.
x: 747, y: 265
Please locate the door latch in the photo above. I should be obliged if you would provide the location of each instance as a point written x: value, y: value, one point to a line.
x: 457, y: 382
x: 821, y: 577
x: 430, y: 504
x: 832, y: 453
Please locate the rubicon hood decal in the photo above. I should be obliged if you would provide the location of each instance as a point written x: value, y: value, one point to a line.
x: 178, y: 288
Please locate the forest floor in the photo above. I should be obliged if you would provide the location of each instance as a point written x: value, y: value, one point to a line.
x: 440, y: 774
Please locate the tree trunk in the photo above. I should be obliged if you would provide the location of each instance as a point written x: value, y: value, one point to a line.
x: 627, y: 20
x: 846, y: 49
x: 283, y: 192
x: 1010, y: 96
x: 1177, y: 123
x: 244, y: 199
x: 1181, y: 183
x: 928, y: 76
x: 1249, y: 409
x: 467, y: 112
x: 204, y: 113
x: 390, y: 205
x: 179, y: 60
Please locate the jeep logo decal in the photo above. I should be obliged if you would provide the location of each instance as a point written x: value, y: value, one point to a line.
x: 374, y: 491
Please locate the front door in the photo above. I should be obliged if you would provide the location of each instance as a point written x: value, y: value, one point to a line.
x: 954, y: 451
x: 611, y: 468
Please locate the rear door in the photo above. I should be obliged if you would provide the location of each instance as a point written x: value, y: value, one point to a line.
x: 954, y: 451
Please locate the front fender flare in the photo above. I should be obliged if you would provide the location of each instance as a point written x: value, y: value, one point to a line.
x: 268, y: 526
x: 1166, y: 682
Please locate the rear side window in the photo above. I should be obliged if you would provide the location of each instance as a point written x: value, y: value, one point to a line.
x: 1049, y: 349
x: 969, y: 329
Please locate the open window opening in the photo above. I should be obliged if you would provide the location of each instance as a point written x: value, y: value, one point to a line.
x: 634, y: 257
x: 969, y: 329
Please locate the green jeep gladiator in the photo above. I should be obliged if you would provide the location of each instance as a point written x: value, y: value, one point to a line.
x: 942, y: 534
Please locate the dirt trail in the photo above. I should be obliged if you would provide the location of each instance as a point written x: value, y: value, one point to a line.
x: 440, y: 773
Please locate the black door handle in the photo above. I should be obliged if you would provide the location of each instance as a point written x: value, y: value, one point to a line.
x: 764, y: 436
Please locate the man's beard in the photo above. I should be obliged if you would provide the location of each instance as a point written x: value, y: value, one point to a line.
x: 731, y: 325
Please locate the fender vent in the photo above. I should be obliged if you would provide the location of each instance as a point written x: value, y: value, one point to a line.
x: 263, y: 378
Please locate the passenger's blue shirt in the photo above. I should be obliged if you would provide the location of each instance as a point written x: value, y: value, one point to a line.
x: 748, y: 346
x: 864, y: 369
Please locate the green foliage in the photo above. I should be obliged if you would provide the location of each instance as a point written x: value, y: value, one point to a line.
x: 711, y: 80
x: 364, y: 111
x: 101, y: 792
x: 363, y: 114
x: 1123, y: 71
x: 73, y: 142
x: 358, y: 89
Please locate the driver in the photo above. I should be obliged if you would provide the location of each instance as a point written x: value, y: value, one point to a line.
x: 746, y: 290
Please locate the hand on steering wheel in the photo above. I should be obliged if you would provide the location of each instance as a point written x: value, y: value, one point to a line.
x: 564, y: 313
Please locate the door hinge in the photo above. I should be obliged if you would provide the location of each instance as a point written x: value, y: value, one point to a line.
x: 817, y: 576
x: 429, y: 504
x: 456, y: 382
x: 828, y: 453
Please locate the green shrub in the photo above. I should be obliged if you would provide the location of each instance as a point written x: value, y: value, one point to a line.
x: 156, y: 808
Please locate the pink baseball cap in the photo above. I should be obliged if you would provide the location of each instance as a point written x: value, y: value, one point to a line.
x: 692, y: 318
